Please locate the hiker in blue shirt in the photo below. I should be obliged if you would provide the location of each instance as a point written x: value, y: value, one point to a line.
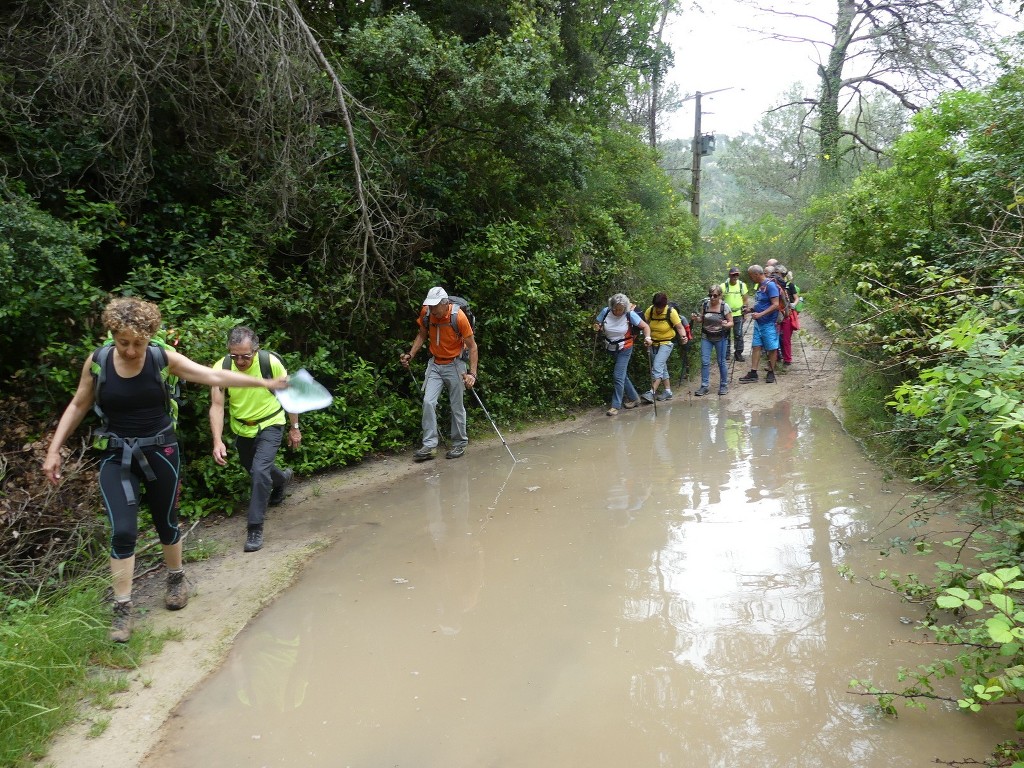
x: 765, y: 314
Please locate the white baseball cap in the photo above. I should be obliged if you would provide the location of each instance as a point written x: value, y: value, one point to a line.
x: 435, y: 295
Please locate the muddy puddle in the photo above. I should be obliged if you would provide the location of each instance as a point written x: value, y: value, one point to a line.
x: 637, y: 592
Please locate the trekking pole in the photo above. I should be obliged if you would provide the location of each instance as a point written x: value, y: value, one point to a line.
x: 804, y: 350
x: 650, y: 365
x: 732, y: 365
x: 684, y: 370
x: 481, y: 402
x: 746, y: 321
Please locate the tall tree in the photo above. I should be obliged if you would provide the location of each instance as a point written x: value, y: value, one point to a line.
x: 912, y: 49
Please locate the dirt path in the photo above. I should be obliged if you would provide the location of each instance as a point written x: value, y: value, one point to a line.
x: 232, y: 587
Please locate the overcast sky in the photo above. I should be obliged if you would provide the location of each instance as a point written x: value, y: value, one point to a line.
x: 712, y: 51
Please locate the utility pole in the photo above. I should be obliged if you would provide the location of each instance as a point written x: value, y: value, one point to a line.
x: 695, y: 183
x: 698, y: 150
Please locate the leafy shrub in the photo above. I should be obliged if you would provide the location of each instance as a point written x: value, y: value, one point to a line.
x: 43, y: 263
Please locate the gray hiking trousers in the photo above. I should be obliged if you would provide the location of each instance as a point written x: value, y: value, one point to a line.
x: 448, y: 377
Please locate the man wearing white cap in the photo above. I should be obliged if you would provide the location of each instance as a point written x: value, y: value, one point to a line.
x: 449, y: 335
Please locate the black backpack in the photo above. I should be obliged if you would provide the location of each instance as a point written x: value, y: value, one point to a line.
x: 705, y: 305
x: 265, y: 371
x: 157, y: 349
x: 263, y: 356
x: 668, y: 311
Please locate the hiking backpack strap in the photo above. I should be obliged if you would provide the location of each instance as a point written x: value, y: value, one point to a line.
x: 99, y: 378
x: 99, y: 373
x: 131, y: 447
x: 264, y: 361
x: 266, y: 372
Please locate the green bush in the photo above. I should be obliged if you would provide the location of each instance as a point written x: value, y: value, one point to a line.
x: 43, y: 263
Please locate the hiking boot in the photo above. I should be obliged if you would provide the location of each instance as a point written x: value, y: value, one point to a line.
x: 752, y: 376
x: 739, y: 357
x: 122, y: 623
x: 176, y: 596
x: 723, y: 390
x: 253, y: 539
x: 770, y: 378
x: 631, y: 404
x: 702, y: 391
x: 455, y: 452
x: 664, y: 395
x: 424, y: 454
x: 612, y: 411
x: 648, y: 396
x: 278, y: 491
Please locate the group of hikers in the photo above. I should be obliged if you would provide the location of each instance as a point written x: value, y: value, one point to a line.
x: 772, y: 305
x: 128, y: 383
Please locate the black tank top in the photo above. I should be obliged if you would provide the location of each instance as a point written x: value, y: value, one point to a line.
x: 135, y: 407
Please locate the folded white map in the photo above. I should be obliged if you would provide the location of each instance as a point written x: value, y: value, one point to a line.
x: 304, y: 393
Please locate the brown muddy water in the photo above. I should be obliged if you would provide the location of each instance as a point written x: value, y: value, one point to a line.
x: 638, y: 592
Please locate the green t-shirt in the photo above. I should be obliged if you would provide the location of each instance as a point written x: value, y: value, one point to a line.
x: 254, y: 404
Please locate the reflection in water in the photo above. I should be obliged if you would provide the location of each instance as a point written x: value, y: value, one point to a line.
x: 649, y: 591
x: 460, y: 558
x: 273, y: 676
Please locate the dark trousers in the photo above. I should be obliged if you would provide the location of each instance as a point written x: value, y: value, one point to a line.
x: 257, y: 455
x: 162, y: 497
x: 736, y: 339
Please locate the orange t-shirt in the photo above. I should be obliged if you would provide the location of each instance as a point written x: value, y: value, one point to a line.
x: 445, y: 343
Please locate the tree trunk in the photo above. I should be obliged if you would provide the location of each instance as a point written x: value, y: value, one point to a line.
x: 652, y: 117
x: 831, y: 76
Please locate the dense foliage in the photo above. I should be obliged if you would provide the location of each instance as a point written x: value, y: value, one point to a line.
x: 925, y: 259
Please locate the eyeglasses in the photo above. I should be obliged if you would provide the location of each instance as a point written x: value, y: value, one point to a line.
x: 248, y: 356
